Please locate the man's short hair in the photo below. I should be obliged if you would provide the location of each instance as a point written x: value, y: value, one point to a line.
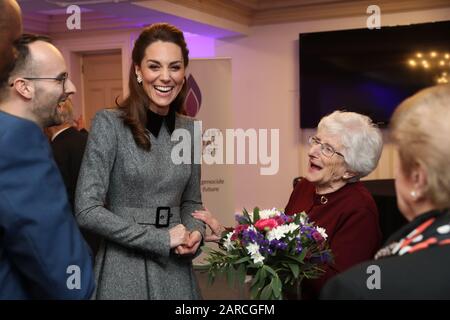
x: 22, y: 61
x: 23, y: 51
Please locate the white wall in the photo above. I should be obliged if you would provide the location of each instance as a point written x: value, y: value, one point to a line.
x: 74, y: 44
x: 266, y: 95
x: 265, y: 91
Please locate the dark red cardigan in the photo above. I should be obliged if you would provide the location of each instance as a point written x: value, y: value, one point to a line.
x: 350, y: 217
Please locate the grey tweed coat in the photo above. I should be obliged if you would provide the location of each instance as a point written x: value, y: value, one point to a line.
x: 119, y: 189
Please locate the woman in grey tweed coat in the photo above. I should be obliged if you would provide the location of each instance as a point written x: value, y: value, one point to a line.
x: 130, y: 191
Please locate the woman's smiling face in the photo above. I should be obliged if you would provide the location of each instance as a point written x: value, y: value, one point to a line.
x: 323, y: 171
x: 162, y: 71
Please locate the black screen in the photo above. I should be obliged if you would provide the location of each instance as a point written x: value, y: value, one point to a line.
x: 369, y: 71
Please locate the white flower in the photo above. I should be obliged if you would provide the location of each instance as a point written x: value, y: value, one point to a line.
x: 291, y: 227
x: 228, y: 244
x: 276, y: 233
x: 281, y: 231
x: 322, y: 232
x: 253, y: 248
x: 268, y: 213
x: 258, y: 258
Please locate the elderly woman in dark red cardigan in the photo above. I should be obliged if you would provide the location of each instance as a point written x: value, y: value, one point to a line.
x: 347, y: 147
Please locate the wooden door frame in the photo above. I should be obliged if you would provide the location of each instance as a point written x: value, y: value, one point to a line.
x: 73, y: 48
x: 102, y: 72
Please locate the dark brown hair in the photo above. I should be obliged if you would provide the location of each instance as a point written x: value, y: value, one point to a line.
x: 22, y: 61
x: 134, y: 107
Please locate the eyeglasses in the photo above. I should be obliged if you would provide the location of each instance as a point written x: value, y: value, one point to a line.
x: 62, y: 78
x: 327, y: 150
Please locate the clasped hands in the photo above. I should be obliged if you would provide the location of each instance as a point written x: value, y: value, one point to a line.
x: 184, y: 242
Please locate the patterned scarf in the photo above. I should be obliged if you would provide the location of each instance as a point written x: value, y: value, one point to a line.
x: 427, y: 230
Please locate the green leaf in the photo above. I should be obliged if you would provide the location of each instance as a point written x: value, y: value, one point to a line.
x: 263, y: 273
x: 256, y: 277
x: 295, y: 269
x: 303, y: 254
x: 230, y: 276
x: 295, y: 258
x: 244, y: 259
x: 256, y: 214
x: 246, y: 215
x: 254, y: 290
x: 258, y: 284
x: 241, y: 274
x: 269, y: 269
x: 211, y: 278
x: 287, y: 279
x: 266, y: 292
x: 276, y: 287
x: 262, y: 281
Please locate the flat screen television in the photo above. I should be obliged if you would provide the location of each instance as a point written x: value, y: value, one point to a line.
x: 370, y: 71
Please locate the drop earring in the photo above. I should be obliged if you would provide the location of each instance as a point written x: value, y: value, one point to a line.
x: 139, y: 79
x: 413, y: 194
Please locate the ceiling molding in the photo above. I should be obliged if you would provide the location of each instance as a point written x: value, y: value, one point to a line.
x: 233, y: 10
x: 339, y: 9
x: 216, y: 13
x: 55, y: 25
x: 225, y: 17
x: 36, y: 23
x: 264, y: 12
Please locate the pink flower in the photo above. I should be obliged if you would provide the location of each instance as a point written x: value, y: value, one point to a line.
x: 266, y: 224
x: 279, y: 221
x: 317, y: 236
x: 239, y: 228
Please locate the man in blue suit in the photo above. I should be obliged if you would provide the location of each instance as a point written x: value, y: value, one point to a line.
x: 42, y: 253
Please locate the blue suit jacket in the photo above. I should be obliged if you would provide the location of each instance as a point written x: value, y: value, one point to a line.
x: 42, y: 253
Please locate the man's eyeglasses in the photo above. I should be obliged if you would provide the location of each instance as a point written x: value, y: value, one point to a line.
x: 62, y: 79
x: 327, y: 150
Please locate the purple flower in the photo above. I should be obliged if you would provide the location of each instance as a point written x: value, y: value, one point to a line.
x: 277, y: 244
x: 306, y: 230
x: 298, y: 245
x: 240, y: 218
x: 248, y: 236
x: 326, y: 257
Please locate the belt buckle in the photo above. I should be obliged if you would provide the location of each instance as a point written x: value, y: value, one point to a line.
x: 162, y: 217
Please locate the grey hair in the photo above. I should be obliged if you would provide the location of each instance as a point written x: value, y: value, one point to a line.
x: 360, y: 137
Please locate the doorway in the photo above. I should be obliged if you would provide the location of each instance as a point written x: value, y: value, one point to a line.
x: 102, y: 82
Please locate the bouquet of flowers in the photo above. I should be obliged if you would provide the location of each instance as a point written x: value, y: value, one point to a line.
x: 277, y: 250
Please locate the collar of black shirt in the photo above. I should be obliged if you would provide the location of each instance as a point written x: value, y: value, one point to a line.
x: 155, y: 121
